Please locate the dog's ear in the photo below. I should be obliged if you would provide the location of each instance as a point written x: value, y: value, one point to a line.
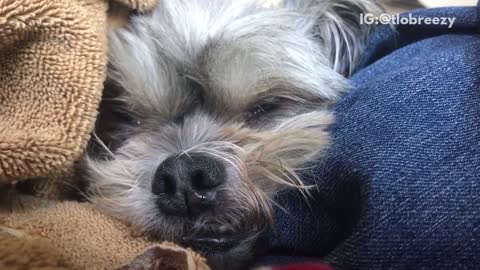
x: 112, y: 117
x: 337, y: 25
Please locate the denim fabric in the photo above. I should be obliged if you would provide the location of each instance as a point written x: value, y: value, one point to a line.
x: 400, y: 186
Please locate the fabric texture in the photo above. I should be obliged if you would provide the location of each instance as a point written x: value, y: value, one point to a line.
x: 399, y: 187
x: 299, y: 266
x: 76, y: 236
x: 52, y: 69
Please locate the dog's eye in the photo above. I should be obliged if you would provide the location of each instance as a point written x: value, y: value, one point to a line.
x: 260, y: 110
x: 125, y: 117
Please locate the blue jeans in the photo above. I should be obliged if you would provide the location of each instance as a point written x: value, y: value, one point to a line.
x: 400, y: 186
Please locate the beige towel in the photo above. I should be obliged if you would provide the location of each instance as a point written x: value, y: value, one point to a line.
x: 52, y: 66
x: 76, y: 236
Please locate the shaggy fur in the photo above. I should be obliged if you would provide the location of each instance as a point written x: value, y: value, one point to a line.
x: 245, y: 85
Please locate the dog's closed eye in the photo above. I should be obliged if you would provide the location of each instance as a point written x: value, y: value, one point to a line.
x: 262, y: 109
x: 124, y: 116
x: 268, y: 109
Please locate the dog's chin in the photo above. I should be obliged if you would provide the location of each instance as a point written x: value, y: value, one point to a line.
x: 211, y: 244
x: 222, y: 249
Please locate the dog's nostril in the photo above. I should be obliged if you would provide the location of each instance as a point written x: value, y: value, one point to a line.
x: 202, y: 180
x: 169, y: 184
x: 164, y: 183
x: 167, y: 179
x: 206, y: 173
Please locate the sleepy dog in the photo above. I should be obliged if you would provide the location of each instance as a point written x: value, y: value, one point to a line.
x: 213, y: 106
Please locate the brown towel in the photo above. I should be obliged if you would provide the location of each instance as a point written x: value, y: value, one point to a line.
x: 76, y: 236
x: 52, y: 68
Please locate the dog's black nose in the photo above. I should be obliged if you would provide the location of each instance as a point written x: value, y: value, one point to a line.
x: 188, y: 185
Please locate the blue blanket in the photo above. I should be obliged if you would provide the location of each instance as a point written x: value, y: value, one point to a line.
x: 400, y: 186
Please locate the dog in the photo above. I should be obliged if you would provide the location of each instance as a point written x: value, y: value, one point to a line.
x: 211, y: 107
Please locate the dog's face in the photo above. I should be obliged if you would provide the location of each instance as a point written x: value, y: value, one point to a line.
x: 214, y: 106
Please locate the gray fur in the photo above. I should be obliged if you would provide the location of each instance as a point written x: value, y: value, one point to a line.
x: 193, y: 75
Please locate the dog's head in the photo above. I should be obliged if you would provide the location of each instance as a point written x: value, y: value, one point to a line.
x: 214, y: 106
